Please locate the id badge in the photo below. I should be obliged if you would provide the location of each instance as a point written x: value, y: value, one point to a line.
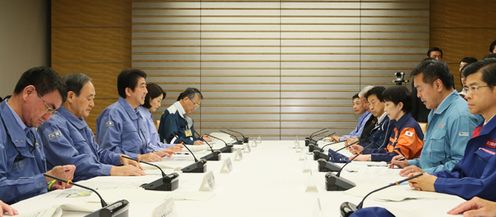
x: 188, y: 133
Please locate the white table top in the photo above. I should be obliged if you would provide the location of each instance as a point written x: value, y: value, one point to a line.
x: 271, y: 180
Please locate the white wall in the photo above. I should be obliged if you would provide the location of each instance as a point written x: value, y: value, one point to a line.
x: 23, y: 39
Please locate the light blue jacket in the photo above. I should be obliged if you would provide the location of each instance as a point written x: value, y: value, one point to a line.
x: 122, y: 129
x: 70, y: 141
x: 22, y: 162
x: 155, y: 144
x: 449, y: 128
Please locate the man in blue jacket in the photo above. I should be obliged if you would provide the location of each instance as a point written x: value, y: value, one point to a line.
x: 71, y: 141
x: 176, y: 120
x: 38, y: 93
x: 450, y: 124
x: 475, y: 174
x: 120, y: 127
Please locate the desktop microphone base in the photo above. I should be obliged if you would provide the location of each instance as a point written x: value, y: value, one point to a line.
x: 335, y: 183
x: 325, y: 166
x: 168, y: 183
x: 213, y: 156
x: 319, y: 155
x: 196, y: 167
x: 117, y: 209
x: 226, y: 149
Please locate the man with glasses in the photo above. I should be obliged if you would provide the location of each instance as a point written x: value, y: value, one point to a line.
x: 450, y: 123
x: 37, y: 95
x: 475, y: 174
x: 176, y: 119
x: 120, y: 127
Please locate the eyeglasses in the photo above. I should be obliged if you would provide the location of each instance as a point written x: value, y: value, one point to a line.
x: 51, y: 110
x: 473, y: 88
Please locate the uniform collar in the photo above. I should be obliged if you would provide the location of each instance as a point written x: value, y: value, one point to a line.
x: 69, y: 116
x: 446, y: 102
x: 487, y: 128
x: 403, y: 119
x: 180, y: 108
x: 129, y: 110
x: 16, y: 128
x: 381, y: 118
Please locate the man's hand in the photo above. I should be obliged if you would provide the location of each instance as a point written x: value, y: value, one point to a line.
x: 424, y: 182
x: 409, y: 170
x: 198, y: 142
x: 126, y: 170
x: 6, y: 209
x: 126, y: 161
x: 398, y: 161
x: 355, y: 149
x: 149, y: 157
x: 475, y: 207
x: 64, y: 172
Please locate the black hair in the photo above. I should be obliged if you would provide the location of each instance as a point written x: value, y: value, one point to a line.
x: 432, y: 49
x: 154, y: 91
x: 355, y: 97
x: 190, y: 92
x: 44, y: 79
x: 397, y: 94
x: 377, y: 91
x: 432, y: 70
x: 468, y: 60
x: 492, y: 46
x: 488, y: 69
x: 490, y: 56
x: 75, y: 82
x: 128, y: 78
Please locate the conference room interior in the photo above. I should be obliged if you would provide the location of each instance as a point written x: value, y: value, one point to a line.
x: 277, y: 79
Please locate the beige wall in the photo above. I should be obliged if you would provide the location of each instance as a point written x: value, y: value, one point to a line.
x: 23, y: 39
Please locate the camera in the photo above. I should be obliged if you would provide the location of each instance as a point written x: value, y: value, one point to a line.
x: 399, y: 78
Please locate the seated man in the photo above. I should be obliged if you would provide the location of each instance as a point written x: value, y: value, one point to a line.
x: 461, y: 65
x: 120, y: 127
x: 450, y: 124
x: 71, y: 141
x: 475, y: 174
x: 407, y: 137
x: 382, y: 128
x: 360, y: 109
x: 38, y: 93
x: 176, y: 121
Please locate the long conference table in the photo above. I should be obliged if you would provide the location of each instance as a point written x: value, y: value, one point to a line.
x: 265, y: 178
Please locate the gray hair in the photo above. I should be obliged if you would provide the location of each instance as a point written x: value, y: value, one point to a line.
x: 75, y: 82
x: 364, y: 91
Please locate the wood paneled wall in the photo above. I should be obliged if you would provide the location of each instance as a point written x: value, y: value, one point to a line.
x: 93, y: 37
x: 462, y: 28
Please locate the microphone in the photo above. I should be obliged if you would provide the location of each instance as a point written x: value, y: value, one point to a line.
x: 117, y: 209
x: 214, y: 155
x: 168, y: 182
x: 318, y: 154
x: 337, y: 183
x: 348, y: 208
x: 310, y: 139
x: 326, y: 166
x: 238, y: 142
x: 199, y: 166
x: 313, y: 145
x: 245, y: 139
x: 227, y: 148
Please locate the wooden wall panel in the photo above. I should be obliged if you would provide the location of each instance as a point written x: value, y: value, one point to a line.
x: 462, y: 29
x: 93, y: 37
